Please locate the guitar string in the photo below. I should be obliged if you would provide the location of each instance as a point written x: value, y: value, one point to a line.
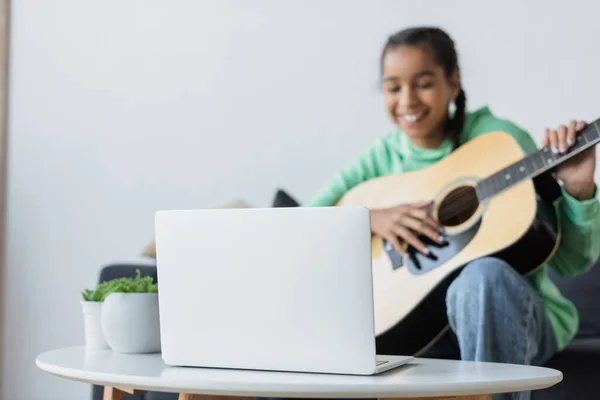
x: 459, y: 202
x: 455, y: 212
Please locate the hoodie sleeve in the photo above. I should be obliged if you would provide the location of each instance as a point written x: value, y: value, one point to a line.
x: 579, y: 246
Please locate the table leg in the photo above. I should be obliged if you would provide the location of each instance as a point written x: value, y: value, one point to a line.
x: 113, y: 393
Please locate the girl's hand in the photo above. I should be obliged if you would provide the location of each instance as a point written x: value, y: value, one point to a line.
x: 406, y: 222
x: 577, y: 174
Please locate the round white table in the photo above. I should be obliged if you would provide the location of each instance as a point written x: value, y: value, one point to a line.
x: 129, y: 373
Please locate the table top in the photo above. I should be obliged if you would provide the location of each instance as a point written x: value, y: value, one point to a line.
x: 420, y: 377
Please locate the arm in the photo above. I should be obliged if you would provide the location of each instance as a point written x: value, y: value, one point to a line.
x: 579, y: 247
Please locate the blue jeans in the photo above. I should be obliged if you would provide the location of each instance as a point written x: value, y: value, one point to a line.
x: 495, y: 315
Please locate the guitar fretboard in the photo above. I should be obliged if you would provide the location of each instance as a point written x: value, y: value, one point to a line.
x: 535, y: 164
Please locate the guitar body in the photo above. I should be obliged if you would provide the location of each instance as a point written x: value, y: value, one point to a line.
x: 409, y: 294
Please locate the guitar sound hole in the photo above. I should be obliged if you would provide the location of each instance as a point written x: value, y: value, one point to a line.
x: 458, y: 206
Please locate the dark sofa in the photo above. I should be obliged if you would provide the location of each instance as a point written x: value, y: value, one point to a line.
x: 580, y: 361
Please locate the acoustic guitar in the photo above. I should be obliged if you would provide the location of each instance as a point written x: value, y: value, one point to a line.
x: 485, y: 194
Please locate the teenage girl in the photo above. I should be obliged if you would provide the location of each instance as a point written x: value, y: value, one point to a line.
x: 495, y: 314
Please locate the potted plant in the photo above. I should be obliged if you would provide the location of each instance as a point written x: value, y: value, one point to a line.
x: 129, y: 319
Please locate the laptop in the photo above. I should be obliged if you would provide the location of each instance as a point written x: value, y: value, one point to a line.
x: 278, y: 289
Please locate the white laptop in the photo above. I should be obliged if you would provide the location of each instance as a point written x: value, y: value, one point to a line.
x: 284, y: 289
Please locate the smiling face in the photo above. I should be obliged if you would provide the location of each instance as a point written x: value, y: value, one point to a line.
x: 417, y: 93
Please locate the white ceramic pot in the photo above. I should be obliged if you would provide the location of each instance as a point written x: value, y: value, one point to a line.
x: 94, y: 338
x: 130, y: 322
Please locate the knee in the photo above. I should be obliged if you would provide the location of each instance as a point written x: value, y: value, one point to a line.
x: 486, y: 271
x: 478, y: 278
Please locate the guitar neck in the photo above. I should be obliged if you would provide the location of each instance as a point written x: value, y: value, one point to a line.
x: 535, y: 164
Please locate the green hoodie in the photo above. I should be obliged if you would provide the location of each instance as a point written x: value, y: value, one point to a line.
x: 580, y: 220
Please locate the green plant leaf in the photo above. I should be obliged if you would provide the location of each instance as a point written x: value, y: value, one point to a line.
x: 121, y: 285
x: 87, y: 295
